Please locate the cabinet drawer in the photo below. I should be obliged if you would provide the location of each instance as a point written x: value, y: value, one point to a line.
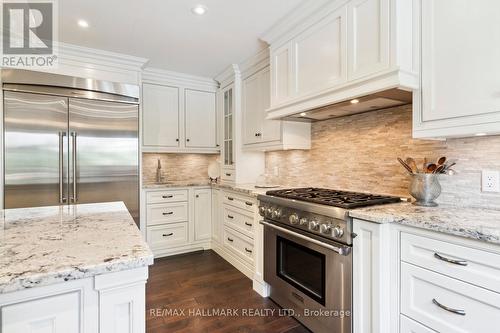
x: 59, y: 313
x: 166, y: 196
x: 475, y: 266
x: 411, y: 326
x: 166, y: 236
x: 239, y: 244
x: 228, y: 175
x: 425, y: 294
x: 236, y: 219
x: 245, y: 203
x: 167, y: 213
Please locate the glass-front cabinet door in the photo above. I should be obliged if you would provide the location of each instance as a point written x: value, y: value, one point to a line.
x: 228, y: 144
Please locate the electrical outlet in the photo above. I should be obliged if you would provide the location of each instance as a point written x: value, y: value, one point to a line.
x: 491, y: 181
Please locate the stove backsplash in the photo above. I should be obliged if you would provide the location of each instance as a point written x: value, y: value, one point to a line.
x: 359, y: 152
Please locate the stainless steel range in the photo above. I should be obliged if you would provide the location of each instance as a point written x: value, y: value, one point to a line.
x: 308, y: 253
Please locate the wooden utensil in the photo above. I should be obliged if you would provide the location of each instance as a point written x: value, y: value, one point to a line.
x: 439, y: 169
x: 431, y: 168
x: 441, y: 161
x: 412, y: 164
x: 424, y: 165
x: 406, y: 166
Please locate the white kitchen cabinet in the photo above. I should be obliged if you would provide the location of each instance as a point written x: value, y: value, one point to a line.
x: 260, y: 133
x: 54, y: 314
x: 177, y: 220
x: 237, y: 165
x: 179, y: 113
x: 201, y: 119
x: 332, y: 51
x: 216, y: 217
x: 160, y: 120
x: 202, y: 214
x: 368, y: 37
x: 460, y: 93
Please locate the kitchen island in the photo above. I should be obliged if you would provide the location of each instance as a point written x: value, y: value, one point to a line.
x: 78, y: 268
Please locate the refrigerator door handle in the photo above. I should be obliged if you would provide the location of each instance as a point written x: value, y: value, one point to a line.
x: 75, y: 196
x: 62, y: 199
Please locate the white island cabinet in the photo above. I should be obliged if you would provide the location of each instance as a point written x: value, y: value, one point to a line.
x: 72, y: 269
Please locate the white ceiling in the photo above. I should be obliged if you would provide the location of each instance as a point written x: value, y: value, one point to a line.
x: 167, y: 33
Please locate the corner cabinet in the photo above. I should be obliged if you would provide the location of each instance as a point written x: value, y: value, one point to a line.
x: 460, y: 91
x: 179, y: 116
x: 260, y: 133
x: 341, y: 50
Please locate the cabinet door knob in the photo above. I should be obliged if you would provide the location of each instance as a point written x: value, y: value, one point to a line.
x: 187, y: 140
x: 177, y: 140
x: 197, y: 195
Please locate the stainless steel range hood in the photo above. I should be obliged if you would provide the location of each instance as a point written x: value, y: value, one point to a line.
x: 377, y: 101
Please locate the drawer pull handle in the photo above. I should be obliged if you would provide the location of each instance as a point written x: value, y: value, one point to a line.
x: 248, y: 224
x: 167, y: 235
x: 444, y: 307
x: 249, y: 251
x: 228, y: 174
x: 248, y: 203
x: 230, y: 216
x: 229, y: 239
x: 167, y: 196
x: 168, y: 213
x: 230, y: 198
x: 451, y: 261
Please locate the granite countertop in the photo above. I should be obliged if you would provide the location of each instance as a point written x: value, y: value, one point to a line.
x: 181, y: 183
x: 475, y: 223
x: 46, y: 245
x: 247, y: 189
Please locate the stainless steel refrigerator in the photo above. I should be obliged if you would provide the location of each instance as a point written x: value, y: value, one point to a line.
x: 65, y: 143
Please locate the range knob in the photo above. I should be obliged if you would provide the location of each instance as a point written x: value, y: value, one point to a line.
x: 262, y: 210
x: 303, y: 221
x: 269, y: 211
x: 313, y: 225
x: 326, y: 229
x: 277, y: 213
x: 338, y: 232
x: 294, y: 218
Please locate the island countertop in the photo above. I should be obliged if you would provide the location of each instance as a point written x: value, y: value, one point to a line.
x: 47, y: 245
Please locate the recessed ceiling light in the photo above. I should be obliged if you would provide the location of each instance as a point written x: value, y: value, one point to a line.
x: 303, y: 114
x: 199, y: 10
x: 354, y: 101
x: 83, y: 23
x: 480, y: 134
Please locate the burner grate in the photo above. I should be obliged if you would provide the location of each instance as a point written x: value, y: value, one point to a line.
x: 342, y: 199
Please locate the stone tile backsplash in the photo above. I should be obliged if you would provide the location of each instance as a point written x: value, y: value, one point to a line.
x: 177, y: 167
x: 359, y: 153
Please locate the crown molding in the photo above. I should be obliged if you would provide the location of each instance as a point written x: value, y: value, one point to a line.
x: 161, y: 76
x: 85, y: 55
x: 292, y: 19
x: 255, y: 63
x: 228, y: 75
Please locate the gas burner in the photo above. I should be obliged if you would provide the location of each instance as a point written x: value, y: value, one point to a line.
x: 342, y: 199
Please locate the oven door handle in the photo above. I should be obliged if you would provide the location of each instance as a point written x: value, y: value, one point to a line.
x: 343, y: 250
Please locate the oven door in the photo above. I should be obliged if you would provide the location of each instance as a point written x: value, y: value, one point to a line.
x: 310, y: 277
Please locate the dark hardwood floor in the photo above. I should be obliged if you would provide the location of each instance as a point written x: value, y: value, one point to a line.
x: 180, y: 288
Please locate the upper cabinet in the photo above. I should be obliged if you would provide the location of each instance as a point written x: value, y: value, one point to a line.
x: 332, y: 51
x: 460, y: 92
x: 260, y: 133
x: 161, y: 120
x: 179, y: 113
x: 201, y: 117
